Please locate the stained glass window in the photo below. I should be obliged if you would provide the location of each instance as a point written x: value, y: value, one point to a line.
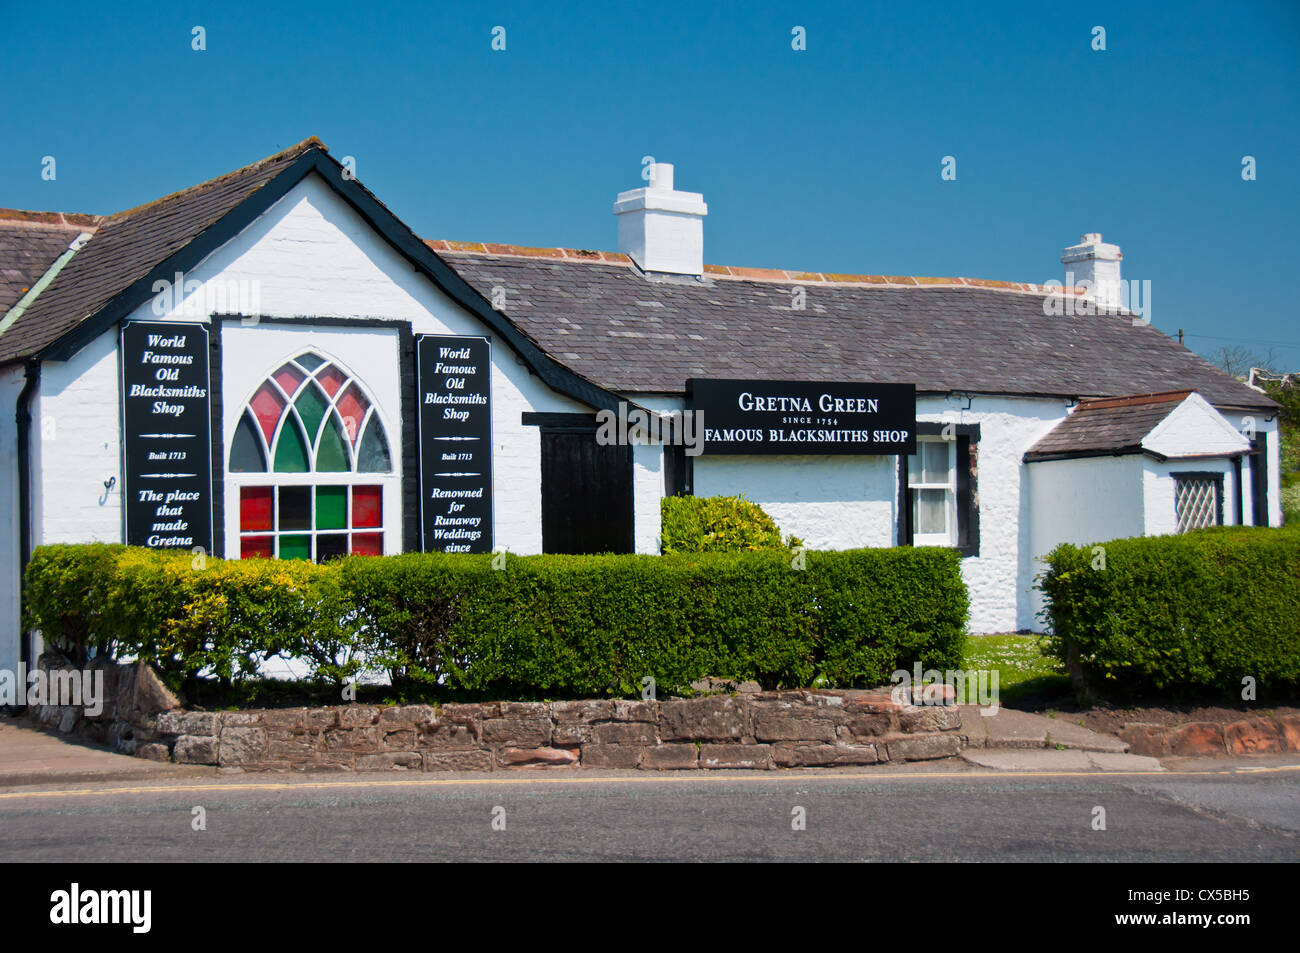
x: 310, y: 417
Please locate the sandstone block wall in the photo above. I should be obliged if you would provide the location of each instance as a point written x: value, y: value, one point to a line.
x: 755, y: 730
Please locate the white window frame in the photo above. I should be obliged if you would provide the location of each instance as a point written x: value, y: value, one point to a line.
x: 1217, y: 482
x: 391, y: 481
x: 914, y: 482
x: 391, y: 486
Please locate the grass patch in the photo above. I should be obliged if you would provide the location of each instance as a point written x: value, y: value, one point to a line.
x: 1291, y: 498
x: 1023, y: 670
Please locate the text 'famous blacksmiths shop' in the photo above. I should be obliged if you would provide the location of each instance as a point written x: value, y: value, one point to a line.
x: 271, y: 364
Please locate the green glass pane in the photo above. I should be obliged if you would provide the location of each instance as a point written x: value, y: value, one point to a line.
x: 246, y: 449
x: 290, y: 451
x: 331, y: 507
x: 311, y: 406
x: 309, y: 361
x: 372, y: 455
x: 295, y: 547
x: 332, y: 455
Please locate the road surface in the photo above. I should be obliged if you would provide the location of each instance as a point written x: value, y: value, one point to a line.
x: 1207, y: 812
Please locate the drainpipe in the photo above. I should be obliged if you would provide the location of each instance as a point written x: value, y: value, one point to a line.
x: 24, y: 419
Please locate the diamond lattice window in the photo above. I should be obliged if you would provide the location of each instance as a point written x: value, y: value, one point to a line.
x: 1198, y: 501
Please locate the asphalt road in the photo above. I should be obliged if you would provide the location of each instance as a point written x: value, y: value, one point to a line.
x: 1214, y: 814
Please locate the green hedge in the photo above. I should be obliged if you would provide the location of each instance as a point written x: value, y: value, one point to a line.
x: 542, y: 626
x: 1188, y: 614
x: 718, y: 524
x: 185, y: 615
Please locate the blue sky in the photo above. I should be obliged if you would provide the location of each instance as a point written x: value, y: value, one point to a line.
x: 826, y: 159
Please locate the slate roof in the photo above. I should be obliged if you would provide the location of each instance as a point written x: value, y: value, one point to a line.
x: 1116, y: 425
x: 597, y: 316
x: 29, y: 243
x: 602, y: 318
x: 128, y: 245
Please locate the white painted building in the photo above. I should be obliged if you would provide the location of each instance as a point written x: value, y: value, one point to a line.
x: 254, y: 346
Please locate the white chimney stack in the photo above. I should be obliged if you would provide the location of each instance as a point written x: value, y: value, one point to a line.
x: 661, y: 229
x: 1097, y: 263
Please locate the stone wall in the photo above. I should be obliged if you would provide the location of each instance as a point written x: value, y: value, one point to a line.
x: 1202, y: 739
x: 134, y: 697
x: 764, y: 730
x: 757, y: 730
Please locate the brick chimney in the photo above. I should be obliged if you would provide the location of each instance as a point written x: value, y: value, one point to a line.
x: 1097, y: 263
x: 661, y: 229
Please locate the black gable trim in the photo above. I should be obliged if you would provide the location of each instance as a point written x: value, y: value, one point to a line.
x: 137, y: 293
x: 377, y: 215
x: 553, y: 374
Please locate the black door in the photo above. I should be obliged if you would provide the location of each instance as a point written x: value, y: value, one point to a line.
x: 1259, y: 482
x: 586, y: 494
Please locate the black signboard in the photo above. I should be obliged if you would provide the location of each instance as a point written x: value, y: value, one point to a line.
x: 453, y: 379
x: 167, y: 435
x: 767, y: 417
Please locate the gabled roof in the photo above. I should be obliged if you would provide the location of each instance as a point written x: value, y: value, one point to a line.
x: 129, y: 245
x: 29, y: 243
x: 1126, y: 425
x: 599, y: 315
x: 115, y: 271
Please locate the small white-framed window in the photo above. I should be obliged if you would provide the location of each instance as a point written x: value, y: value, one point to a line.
x: 932, y: 488
x: 1198, y: 500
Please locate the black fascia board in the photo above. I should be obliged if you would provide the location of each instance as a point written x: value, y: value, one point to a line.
x: 1039, y: 457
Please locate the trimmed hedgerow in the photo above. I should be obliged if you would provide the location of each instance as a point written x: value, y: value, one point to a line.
x: 185, y: 614
x: 540, y: 626
x: 1189, y: 614
x: 67, y: 589
x: 718, y: 524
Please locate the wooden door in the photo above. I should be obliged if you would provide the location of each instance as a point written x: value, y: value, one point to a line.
x: 586, y: 494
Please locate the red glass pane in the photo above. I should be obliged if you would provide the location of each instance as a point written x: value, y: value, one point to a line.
x: 368, y: 544
x: 367, y: 506
x: 288, y: 377
x: 267, y: 404
x: 352, y: 408
x: 331, y: 378
x: 255, y: 547
x: 254, y: 508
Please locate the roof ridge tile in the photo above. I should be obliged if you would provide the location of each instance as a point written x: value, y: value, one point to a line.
x: 53, y: 219
x: 744, y: 273
x: 295, y: 150
x: 1135, y: 400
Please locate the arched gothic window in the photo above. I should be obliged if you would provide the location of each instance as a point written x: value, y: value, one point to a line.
x: 312, y: 464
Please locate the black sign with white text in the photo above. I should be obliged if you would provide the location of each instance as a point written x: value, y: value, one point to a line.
x: 454, y: 378
x: 167, y: 434
x: 769, y: 417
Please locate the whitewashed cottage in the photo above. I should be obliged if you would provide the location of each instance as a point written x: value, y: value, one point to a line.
x: 271, y: 364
